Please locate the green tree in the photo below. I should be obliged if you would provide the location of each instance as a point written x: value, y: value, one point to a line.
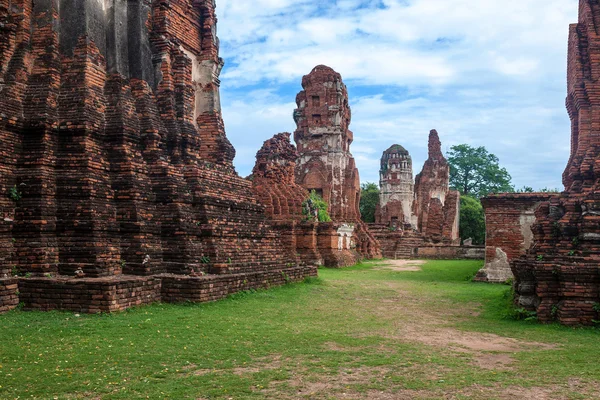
x: 369, y: 198
x: 472, y: 220
x: 475, y: 172
x: 529, y: 189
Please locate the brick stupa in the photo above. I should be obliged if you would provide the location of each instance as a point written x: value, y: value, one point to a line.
x: 560, y: 277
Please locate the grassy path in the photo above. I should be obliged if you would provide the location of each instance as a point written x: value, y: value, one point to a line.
x: 373, y: 331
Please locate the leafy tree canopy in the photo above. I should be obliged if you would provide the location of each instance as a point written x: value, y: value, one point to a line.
x: 476, y: 172
x: 529, y: 189
x: 472, y: 220
x: 369, y: 198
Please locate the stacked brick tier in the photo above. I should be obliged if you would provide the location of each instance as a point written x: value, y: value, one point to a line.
x: 508, y: 221
x: 325, y: 163
x: 95, y: 295
x: 560, y: 278
x: 115, y: 161
x: 436, y: 206
x: 176, y: 288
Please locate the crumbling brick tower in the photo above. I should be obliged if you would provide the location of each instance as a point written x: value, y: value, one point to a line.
x: 436, y: 206
x: 115, y: 165
x: 274, y: 183
x: 560, y: 278
x: 397, y: 188
x: 323, y: 138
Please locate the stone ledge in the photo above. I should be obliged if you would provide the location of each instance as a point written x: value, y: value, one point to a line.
x: 110, y: 294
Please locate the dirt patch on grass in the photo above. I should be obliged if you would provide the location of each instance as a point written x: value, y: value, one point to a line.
x: 401, y: 265
x: 426, y: 326
x: 475, y: 392
x: 261, y: 364
x: 326, y: 386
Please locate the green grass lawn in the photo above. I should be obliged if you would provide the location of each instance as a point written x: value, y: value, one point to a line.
x: 366, y: 332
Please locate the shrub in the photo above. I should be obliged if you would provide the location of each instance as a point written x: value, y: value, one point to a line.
x: 315, y: 208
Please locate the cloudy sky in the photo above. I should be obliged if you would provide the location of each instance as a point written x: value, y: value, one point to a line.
x: 483, y: 72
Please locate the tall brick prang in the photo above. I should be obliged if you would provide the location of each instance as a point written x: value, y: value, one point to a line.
x: 436, y: 206
x: 397, y: 189
x: 559, y: 278
x: 115, y: 166
x: 325, y: 163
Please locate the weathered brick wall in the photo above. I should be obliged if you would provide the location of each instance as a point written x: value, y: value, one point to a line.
x: 508, y: 221
x: 450, y: 252
x: 274, y: 184
x: 9, y: 298
x: 88, y: 295
x: 176, y: 288
x: 114, y: 158
x: 559, y: 277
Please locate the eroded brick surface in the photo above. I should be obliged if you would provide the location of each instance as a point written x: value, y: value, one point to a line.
x: 508, y: 220
x: 559, y: 278
x: 115, y: 163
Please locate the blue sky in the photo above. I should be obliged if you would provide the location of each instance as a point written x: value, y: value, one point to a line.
x: 482, y: 72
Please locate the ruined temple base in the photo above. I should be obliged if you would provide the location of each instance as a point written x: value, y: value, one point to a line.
x: 450, y: 252
x: 105, y: 295
x: 408, y: 244
x: 561, y: 290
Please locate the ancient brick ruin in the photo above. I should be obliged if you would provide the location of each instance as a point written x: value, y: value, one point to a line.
x: 418, y: 219
x: 397, y: 189
x: 559, y: 278
x: 116, y: 180
x: 436, y: 206
x: 274, y: 183
x: 508, y: 221
x: 325, y: 163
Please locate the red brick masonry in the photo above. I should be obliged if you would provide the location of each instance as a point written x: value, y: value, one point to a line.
x: 114, y: 163
x: 560, y: 275
x: 508, y: 221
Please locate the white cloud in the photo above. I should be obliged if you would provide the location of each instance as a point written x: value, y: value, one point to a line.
x: 482, y: 72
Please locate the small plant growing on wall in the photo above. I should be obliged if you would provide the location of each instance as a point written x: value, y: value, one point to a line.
x: 15, y: 194
x: 315, y: 208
